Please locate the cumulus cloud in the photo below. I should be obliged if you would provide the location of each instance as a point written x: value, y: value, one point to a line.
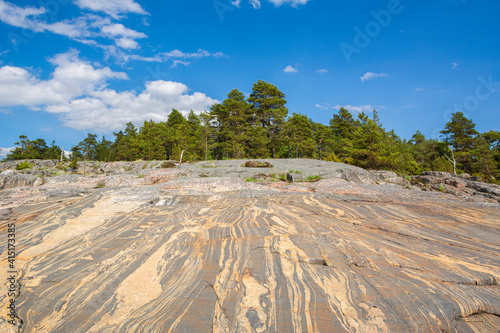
x: 113, y: 8
x: 77, y: 91
x: 371, y: 76
x: 5, y: 151
x: 71, y: 78
x: 290, y: 69
x: 454, y: 65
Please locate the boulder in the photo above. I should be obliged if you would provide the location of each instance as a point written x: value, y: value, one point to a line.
x: 294, y: 177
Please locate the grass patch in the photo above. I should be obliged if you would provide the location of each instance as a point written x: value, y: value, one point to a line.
x: 211, y: 166
x: 141, y: 176
x: 313, y: 178
x: 291, y: 171
x: 101, y: 185
x: 283, y: 177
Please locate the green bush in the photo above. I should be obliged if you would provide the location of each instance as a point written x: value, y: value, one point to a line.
x: 73, y: 164
x: 24, y: 165
x: 255, y: 164
x: 168, y: 165
x: 101, y: 185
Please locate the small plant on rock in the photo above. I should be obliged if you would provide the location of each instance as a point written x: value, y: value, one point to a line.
x: 313, y: 178
x: 24, y: 165
x: 168, y: 165
x: 101, y: 185
x: 73, y: 164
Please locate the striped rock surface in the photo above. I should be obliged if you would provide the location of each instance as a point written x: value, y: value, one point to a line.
x: 222, y: 255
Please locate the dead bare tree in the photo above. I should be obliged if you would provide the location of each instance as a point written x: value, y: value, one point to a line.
x: 452, y: 161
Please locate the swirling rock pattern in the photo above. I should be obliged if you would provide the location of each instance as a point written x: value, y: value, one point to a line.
x: 222, y: 255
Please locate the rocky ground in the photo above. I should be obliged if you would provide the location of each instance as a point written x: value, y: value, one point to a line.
x: 219, y: 247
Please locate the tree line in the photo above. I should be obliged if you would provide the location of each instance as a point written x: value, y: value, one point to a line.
x: 259, y: 127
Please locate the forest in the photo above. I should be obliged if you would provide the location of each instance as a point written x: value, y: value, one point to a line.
x: 260, y: 127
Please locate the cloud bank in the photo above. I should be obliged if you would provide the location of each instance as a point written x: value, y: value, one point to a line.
x: 78, y: 93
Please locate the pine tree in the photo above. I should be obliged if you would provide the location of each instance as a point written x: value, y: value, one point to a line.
x: 268, y: 104
x: 461, y: 134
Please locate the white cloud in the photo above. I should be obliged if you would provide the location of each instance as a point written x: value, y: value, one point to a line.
x: 293, y: 3
x: 127, y: 43
x: 77, y: 92
x: 113, y: 8
x: 371, y: 76
x: 322, y: 71
x: 180, y: 62
x: 176, y: 56
x: 18, y: 17
x: 419, y: 89
x: 454, y: 65
x: 71, y: 78
x: 256, y: 3
x: 5, y: 151
x: 109, y: 110
x: 290, y: 69
x: 83, y: 29
x: 351, y: 108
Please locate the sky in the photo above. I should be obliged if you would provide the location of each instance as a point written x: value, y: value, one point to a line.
x: 70, y: 67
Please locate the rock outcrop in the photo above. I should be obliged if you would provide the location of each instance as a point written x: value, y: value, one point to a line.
x: 463, y: 186
x: 197, y: 248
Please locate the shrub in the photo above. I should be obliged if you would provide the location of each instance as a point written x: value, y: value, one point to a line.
x: 168, y: 165
x: 24, y: 165
x: 101, y: 185
x: 255, y: 164
x: 73, y: 164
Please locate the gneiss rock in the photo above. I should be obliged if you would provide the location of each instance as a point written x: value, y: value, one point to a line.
x: 219, y: 254
x: 16, y: 180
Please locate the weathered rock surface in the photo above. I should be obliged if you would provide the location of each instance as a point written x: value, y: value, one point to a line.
x: 173, y: 252
x: 463, y: 186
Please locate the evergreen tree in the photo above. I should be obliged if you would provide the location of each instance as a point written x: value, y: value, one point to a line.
x: 268, y: 104
x: 461, y: 134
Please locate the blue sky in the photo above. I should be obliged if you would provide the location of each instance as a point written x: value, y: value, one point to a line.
x: 68, y: 67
